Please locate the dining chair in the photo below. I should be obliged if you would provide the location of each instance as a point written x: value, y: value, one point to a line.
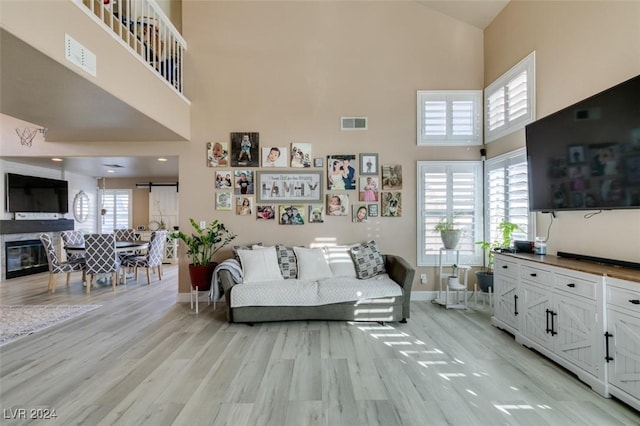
x: 73, y: 238
x: 101, y: 257
x: 128, y: 234
x: 153, y: 257
x: 58, y: 267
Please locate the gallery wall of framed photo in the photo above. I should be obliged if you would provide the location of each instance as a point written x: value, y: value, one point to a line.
x: 285, y: 184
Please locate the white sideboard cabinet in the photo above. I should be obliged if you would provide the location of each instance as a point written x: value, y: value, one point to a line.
x: 562, y: 318
x: 622, y: 344
x: 505, y: 290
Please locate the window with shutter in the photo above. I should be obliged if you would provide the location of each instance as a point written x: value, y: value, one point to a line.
x: 448, y: 188
x: 507, y: 194
x: 449, y: 117
x: 509, y: 101
x: 117, y: 203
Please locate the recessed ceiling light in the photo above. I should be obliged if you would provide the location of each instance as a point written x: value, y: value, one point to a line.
x: 162, y: 159
x: 111, y: 171
x: 56, y: 159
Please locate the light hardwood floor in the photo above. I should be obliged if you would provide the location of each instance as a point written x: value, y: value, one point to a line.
x: 142, y: 358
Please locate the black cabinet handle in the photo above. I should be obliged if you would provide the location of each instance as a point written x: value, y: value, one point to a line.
x: 533, y: 274
x: 606, y: 343
x: 553, y: 328
x: 547, y: 329
x: 635, y: 301
x: 571, y: 285
x: 515, y: 303
x: 505, y: 267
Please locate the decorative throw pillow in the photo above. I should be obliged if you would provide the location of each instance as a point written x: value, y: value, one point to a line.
x: 259, y: 265
x: 245, y: 247
x: 287, y: 261
x: 340, y: 261
x: 312, y: 265
x: 367, y: 260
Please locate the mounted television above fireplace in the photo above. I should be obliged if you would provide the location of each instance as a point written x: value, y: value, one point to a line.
x: 31, y: 194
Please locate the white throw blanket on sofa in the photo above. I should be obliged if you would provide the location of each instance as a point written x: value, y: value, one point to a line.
x: 231, y: 265
x: 295, y: 292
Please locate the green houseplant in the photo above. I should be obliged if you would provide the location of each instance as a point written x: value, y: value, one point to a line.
x: 450, y: 231
x: 505, y: 230
x: 202, y: 244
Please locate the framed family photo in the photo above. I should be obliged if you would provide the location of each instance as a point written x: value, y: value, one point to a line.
x: 300, y: 154
x: 217, y: 154
x: 368, y: 164
x: 223, y: 200
x: 245, y: 149
x: 275, y: 156
x: 341, y: 172
x: 279, y: 187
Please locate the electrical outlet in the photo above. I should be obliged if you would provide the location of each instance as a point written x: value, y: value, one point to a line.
x: 423, y: 278
x: 203, y: 224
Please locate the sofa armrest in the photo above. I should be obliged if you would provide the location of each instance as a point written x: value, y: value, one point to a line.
x: 401, y: 272
x: 225, y: 280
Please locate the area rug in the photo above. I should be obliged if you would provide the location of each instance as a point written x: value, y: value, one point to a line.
x: 17, y: 321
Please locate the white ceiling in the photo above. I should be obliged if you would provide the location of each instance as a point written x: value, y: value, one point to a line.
x: 478, y: 13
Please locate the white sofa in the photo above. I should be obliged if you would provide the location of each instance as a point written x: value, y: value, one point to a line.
x: 354, y: 283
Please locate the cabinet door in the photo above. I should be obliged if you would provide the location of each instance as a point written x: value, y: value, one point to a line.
x: 535, y: 322
x: 506, y: 302
x: 578, y: 339
x: 624, y: 348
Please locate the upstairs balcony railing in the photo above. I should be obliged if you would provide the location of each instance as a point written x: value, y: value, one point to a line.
x: 148, y: 33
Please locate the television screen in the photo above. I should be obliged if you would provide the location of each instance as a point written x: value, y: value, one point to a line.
x: 587, y: 156
x: 30, y: 194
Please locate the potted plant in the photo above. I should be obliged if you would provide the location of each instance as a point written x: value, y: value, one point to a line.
x: 450, y: 232
x: 201, y: 246
x: 485, y: 275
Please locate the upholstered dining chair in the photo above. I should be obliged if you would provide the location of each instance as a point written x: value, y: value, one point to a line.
x: 153, y: 257
x: 58, y: 267
x: 73, y: 238
x: 126, y: 235
x: 101, y: 257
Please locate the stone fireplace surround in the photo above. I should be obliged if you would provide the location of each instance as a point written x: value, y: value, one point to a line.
x: 22, y: 230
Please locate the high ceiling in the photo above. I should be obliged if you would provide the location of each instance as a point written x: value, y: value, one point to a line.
x: 136, y: 126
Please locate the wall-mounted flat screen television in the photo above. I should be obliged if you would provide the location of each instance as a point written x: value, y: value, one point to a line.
x: 31, y: 194
x: 587, y: 156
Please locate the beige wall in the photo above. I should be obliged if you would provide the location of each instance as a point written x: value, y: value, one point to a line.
x: 581, y: 49
x: 290, y: 70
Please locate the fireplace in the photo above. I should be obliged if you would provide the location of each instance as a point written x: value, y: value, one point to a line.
x: 25, y: 257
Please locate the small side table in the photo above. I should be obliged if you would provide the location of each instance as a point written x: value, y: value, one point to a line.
x: 197, y: 293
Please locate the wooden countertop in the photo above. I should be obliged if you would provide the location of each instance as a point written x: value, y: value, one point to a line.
x: 580, y: 265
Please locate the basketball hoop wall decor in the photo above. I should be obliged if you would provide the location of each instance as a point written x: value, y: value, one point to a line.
x: 26, y: 134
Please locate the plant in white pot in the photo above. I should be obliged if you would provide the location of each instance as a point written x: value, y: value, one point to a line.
x: 485, y: 275
x: 450, y: 231
x: 201, y: 246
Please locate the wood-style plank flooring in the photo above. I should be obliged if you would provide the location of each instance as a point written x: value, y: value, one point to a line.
x: 143, y: 359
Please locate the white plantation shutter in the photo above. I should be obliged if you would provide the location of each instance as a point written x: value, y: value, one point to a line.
x: 449, y: 117
x: 507, y: 194
x: 510, y: 100
x: 448, y: 188
x: 119, y: 212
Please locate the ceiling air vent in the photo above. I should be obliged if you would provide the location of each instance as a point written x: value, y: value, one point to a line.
x: 354, y: 123
x: 79, y: 55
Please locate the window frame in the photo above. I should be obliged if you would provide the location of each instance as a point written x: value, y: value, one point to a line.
x: 503, y: 161
x: 528, y: 65
x: 450, y: 97
x: 468, y: 257
x: 104, y: 194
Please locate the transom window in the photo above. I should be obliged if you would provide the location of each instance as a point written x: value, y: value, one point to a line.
x: 449, y: 118
x: 509, y: 102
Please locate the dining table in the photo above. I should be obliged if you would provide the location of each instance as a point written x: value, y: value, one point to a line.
x: 121, y: 246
